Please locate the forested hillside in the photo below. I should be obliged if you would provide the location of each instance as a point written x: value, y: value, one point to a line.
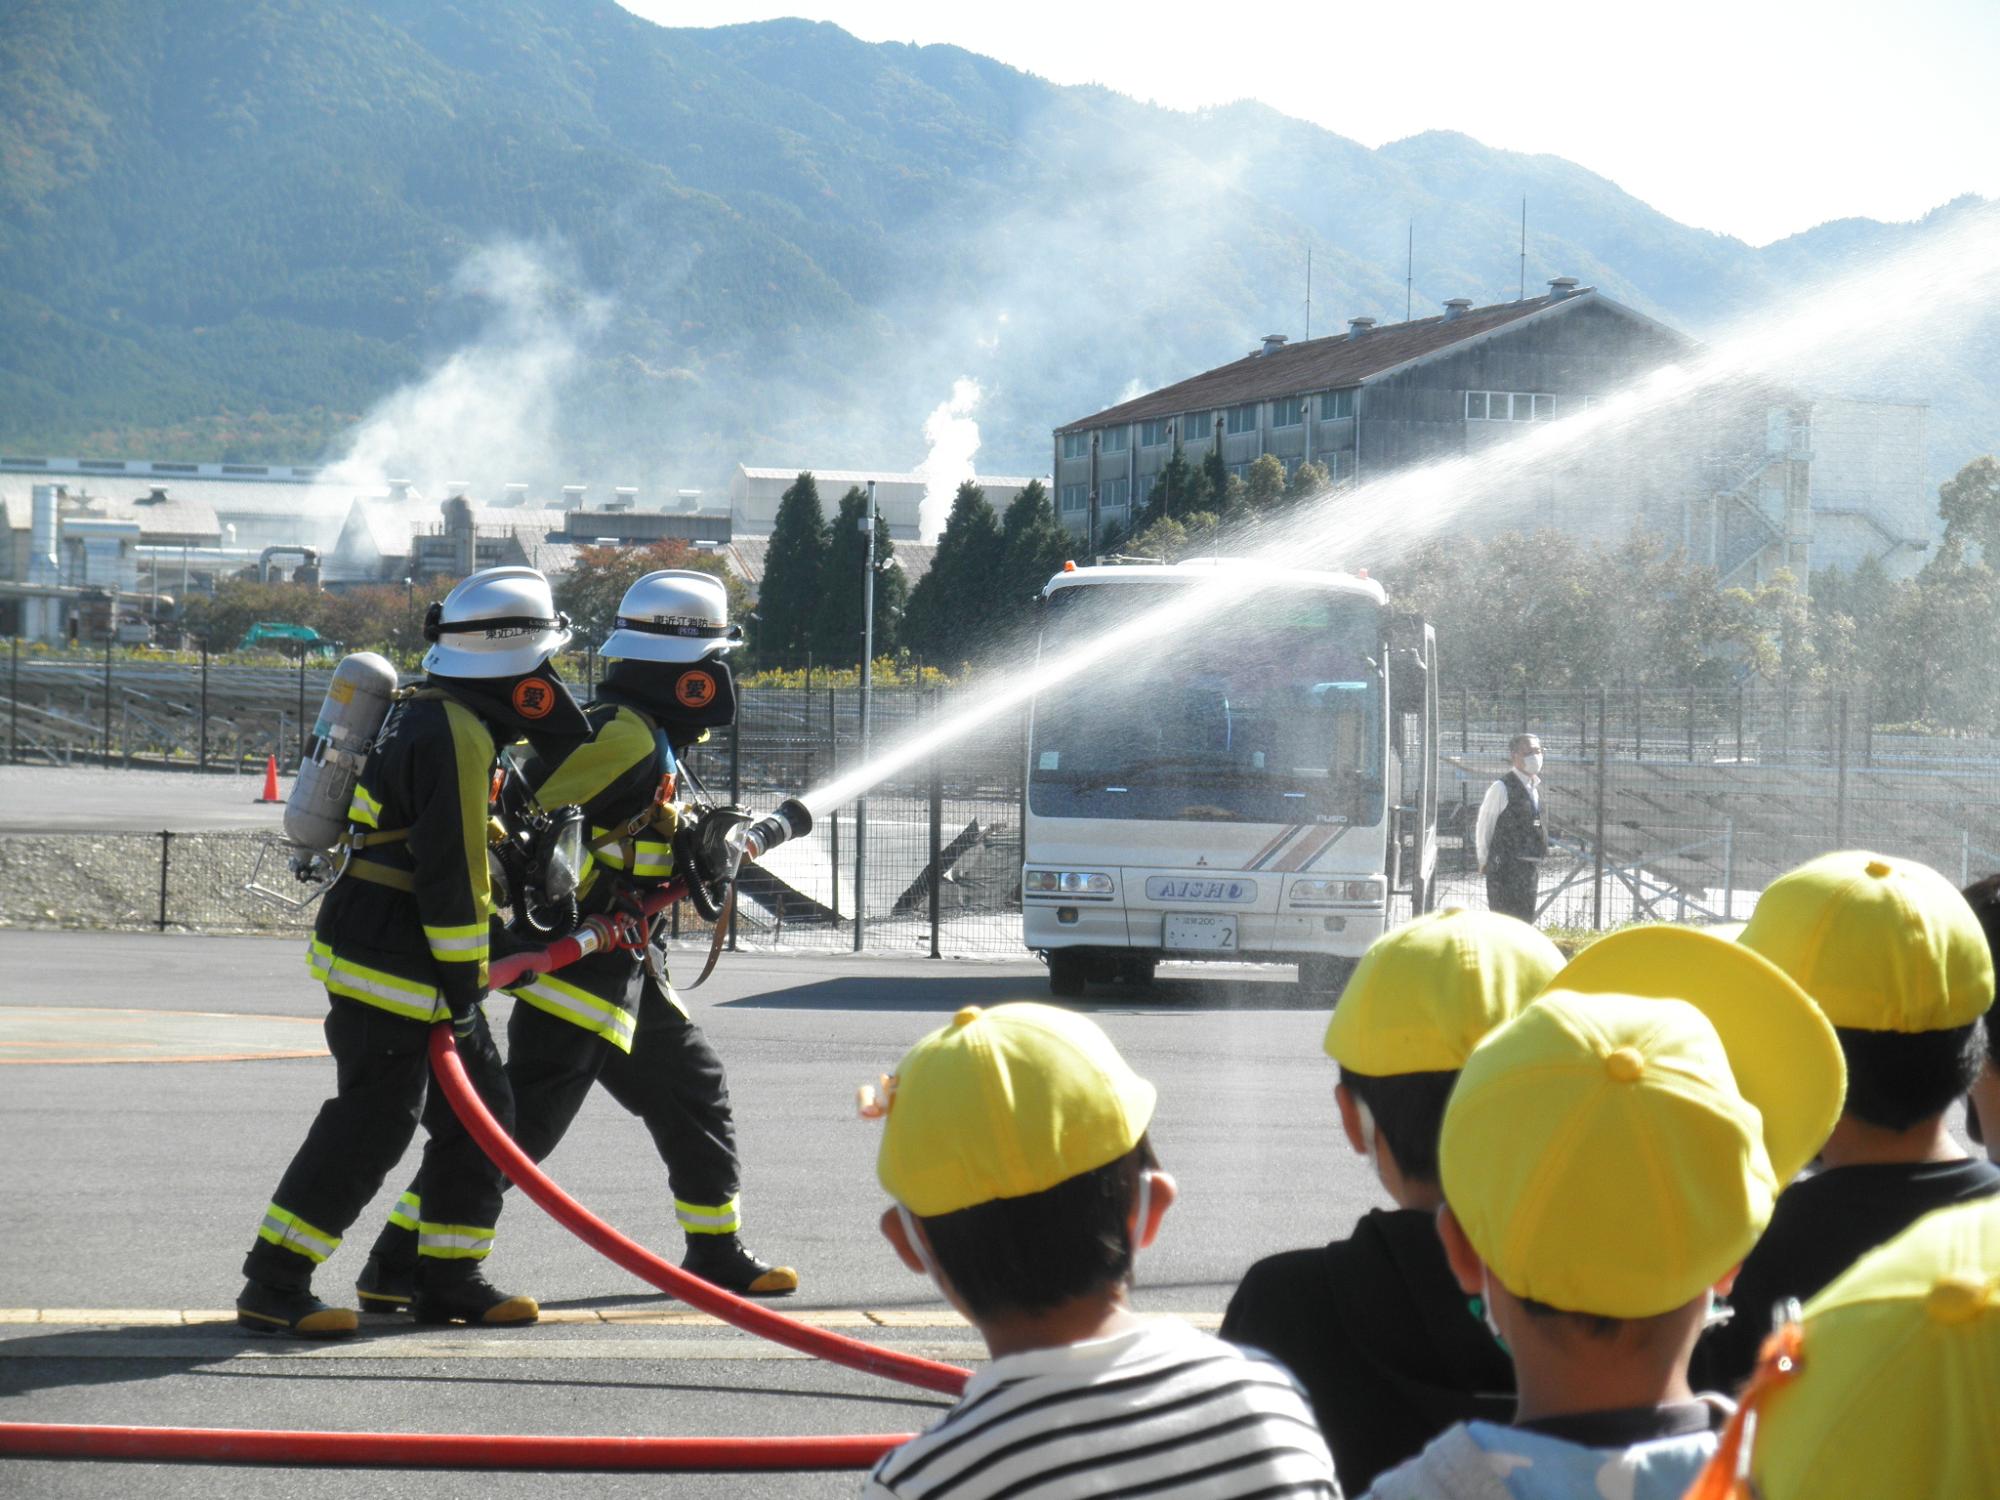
x: 230, y: 228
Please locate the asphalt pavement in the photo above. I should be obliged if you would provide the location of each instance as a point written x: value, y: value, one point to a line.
x: 107, y: 799
x: 131, y: 1189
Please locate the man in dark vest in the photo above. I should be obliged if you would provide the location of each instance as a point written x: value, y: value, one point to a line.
x: 1512, y: 840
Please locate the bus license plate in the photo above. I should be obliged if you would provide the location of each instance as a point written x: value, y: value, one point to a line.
x: 1203, y: 934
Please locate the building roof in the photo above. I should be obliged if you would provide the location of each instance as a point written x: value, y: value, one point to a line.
x: 862, y: 476
x: 1333, y: 362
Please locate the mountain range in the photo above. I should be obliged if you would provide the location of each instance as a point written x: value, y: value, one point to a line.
x: 548, y: 239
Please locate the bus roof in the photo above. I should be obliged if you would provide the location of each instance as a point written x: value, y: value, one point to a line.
x: 1195, y: 569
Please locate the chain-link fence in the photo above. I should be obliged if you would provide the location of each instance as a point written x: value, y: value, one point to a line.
x: 1683, y: 806
x: 1662, y: 805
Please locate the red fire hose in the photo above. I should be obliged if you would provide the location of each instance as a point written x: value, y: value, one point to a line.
x: 641, y: 1262
x: 440, y: 1450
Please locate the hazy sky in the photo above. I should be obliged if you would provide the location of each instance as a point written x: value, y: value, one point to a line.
x: 1758, y: 118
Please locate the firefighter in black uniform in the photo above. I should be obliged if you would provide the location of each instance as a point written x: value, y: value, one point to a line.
x: 613, y: 1018
x: 1511, y: 838
x: 401, y: 942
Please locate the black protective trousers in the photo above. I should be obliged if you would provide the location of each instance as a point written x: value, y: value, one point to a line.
x: 1512, y: 887
x: 382, y: 1091
x: 672, y: 1079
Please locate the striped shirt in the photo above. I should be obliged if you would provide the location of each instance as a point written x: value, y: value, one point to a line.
x: 1160, y: 1411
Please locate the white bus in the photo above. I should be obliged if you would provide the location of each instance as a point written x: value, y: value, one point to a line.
x: 1257, y: 782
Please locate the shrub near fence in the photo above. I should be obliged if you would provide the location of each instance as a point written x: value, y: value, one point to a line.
x: 1664, y: 805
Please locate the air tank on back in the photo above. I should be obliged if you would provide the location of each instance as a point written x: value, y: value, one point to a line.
x: 357, y: 701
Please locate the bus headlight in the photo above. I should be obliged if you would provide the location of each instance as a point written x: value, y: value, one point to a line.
x: 1344, y: 892
x: 1066, y: 883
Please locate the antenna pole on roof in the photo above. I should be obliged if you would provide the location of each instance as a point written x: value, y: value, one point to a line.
x: 1410, y: 272
x: 1309, y: 291
x: 1522, y: 295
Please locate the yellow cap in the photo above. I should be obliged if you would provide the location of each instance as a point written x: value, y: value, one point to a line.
x: 1782, y: 1050
x: 1424, y: 995
x: 1898, y: 1385
x: 1882, y: 944
x: 1600, y: 1157
x: 1007, y: 1102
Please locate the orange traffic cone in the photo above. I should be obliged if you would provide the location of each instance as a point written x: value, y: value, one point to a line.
x: 271, y: 781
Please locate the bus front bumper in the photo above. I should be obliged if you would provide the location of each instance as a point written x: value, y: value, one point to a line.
x: 1259, y: 935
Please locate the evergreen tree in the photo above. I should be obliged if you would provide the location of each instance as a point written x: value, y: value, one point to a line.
x: 1308, y: 479
x: 1174, y: 492
x: 837, y: 621
x: 1034, y: 546
x: 793, y: 568
x: 955, y: 609
x: 1267, y: 483
x: 1215, y: 478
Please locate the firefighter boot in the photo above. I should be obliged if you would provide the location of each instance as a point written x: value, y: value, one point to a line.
x: 385, y: 1285
x: 724, y: 1260
x: 264, y: 1308
x: 457, y: 1291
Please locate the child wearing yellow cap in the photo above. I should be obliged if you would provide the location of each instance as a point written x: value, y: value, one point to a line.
x: 1894, y: 956
x: 1373, y: 1324
x: 1889, y: 1385
x: 1015, y: 1150
x: 1608, y: 1157
x: 1983, y: 1105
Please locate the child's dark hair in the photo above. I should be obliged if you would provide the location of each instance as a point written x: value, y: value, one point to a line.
x: 1984, y: 898
x: 1898, y: 1079
x: 1028, y: 1255
x: 1409, y: 1115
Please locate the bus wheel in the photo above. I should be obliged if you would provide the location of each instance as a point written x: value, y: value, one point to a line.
x: 1324, y: 976
x: 1069, y: 970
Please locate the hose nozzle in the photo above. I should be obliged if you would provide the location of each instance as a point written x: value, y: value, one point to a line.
x: 792, y: 820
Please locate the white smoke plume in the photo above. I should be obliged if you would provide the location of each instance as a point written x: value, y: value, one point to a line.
x: 953, y: 438
x: 488, y: 414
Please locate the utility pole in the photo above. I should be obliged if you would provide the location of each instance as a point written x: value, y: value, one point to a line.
x: 1309, y: 292
x: 1410, y: 273
x: 1522, y: 295
x: 867, y: 694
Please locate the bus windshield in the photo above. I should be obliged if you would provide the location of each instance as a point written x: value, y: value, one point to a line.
x: 1269, y: 711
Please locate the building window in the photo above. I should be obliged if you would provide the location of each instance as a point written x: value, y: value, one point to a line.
x: 1197, y: 427
x: 1145, y: 488
x: 1240, y: 471
x: 1076, y: 445
x: 1333, y: 405
x: 1242, y: 419
x: 1508, y: 406
x: 1075, y: 498
x: 1153, y: 434
x: 1112, y: 440
x: 1288, y: 411
x: 1111, y: 495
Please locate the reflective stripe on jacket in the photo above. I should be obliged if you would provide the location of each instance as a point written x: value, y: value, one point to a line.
x: 419, y: 953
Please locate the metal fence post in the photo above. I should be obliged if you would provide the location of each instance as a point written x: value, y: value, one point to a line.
x: 1465, y: 721
x: 1739, y: 723
x: 861, y: 842
x: 204, y: 703
x: 1638, y: 723
x: 1729, y: 870
x: 833, y: 760
x: 166, y: 841
x: 937, y: 832
x: 1868, y: 728
x: 14, y: 704
x: 1840, y: 781
x: 110, y: 636
x: 1690, y: 724
x: 1597, y: 886
x: 1582, y: 720
x: 735, y: 799
x: 1526, y: 716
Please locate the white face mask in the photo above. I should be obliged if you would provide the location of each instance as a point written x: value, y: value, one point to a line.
x: 1367, y: 1118
x: 1486, y: 1310
x: 917, y: 1241
x: 1532, y: 764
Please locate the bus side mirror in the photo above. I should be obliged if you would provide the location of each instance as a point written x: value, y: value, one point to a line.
x: 1406, y: 675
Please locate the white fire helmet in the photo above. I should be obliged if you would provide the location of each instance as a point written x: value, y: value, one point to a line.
x: 500, y: 622
x: 673, y: 615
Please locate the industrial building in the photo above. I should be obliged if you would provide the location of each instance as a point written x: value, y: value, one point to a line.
x: 754, y: 494
x: 1731, y: 474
